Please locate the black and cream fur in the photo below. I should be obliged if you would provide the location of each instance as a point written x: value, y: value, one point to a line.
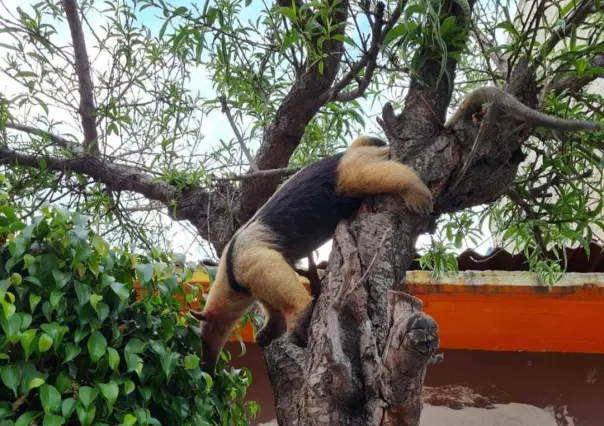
x: 257, y: 263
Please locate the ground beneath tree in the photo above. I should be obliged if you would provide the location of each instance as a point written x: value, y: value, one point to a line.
x: 498, y: 414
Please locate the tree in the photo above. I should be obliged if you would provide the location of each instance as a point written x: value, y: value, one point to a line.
x: 303, y: 76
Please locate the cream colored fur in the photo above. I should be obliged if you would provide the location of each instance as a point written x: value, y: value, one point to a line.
x: 364, y: 170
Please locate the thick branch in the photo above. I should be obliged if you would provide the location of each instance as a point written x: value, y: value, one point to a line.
x: 261, y: 174
x: 284, y: 133
x: 82, y: 66
x: 116, y: 177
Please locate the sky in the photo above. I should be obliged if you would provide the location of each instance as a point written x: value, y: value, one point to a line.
x: 214, y: 127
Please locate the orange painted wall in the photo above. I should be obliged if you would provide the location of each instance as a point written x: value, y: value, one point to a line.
x: 496, y: 317
x: 516, y: 318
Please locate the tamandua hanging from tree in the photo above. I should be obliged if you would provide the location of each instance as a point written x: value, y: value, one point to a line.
x: 257, y: 263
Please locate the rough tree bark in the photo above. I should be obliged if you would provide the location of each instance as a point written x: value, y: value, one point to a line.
x: 369, y: 342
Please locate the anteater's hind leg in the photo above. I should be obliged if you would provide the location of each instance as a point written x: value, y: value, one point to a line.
x: 360, y: 172
x: 274, y: 327
x: 276, y: 285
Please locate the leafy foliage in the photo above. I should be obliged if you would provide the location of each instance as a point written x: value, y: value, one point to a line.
x: 77, y: 344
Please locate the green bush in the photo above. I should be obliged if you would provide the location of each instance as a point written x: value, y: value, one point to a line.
x: 76, y: 346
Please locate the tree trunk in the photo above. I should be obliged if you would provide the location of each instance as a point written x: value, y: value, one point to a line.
x: 369, y: 342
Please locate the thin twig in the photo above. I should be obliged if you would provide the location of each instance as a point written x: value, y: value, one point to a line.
x: 520, y: 202
x: 577, y: 17
x: 260, y: 174
x: 57, y: 140
x: 82, y: 66
x: 368, y: 61
x: 226, y: 110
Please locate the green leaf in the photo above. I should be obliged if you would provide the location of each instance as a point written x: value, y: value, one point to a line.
x: 8, y: 308
x: 53, y: 420
x: 27, y: 338
x: 68, y: 407
x: 6, y: 410
x: 158, y: 347
x: 34, y: 299
x: 36, y: 382
x: 26, y: 320
x: 129, y: 420
x: 87, y: 395
x: 33, y: 280
x: 11, y: 326
x: 50, y: 398
x: 144, y: 272
x: 97, y: 345
x: 110, y: 392
x: 94, y: 301
x: 100, y: 245
x: 208, y: 380
x: 113, y: 358
x: 103, y: 311
x: 191, y: 362
x: 86, y: 415
x: 16, y: 279
x: 129, y: 386
x: 135, y: 346
x: 83, y: 292
x: 80, y: 334
x: 11, y: 376
x: 134, y: 363
x: 121, y: 290
x: 55, y: 297
x: 71, y: 351
x: 63, y: 382
x: 168, y: 363
x: 288, y: 12
x: 45, y: 343
x: 61, y: 278
x: 28, y: 418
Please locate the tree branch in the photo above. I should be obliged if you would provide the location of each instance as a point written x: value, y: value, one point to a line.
x: 57, y: 140
x: 116, y: 177
x: 368, y: 61
x: 82, y: 66
x: 574, y: 84
x: 227, y: 111
x: 578, y: 16
x: 285, y: 131
x: 260, y: 174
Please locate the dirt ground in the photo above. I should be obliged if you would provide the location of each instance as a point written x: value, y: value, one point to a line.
x: 497, y: 415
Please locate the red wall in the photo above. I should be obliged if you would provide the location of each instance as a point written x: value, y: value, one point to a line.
x: 571, y: 385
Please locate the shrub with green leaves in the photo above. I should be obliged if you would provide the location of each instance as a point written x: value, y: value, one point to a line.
x: 77, y: 347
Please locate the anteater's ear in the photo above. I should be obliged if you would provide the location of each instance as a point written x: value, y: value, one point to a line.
x: 198, y: 315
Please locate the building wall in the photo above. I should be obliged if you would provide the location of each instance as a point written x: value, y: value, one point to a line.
x: 485, y: 388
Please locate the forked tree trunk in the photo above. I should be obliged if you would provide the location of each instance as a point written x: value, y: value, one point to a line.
x: 369, y: 342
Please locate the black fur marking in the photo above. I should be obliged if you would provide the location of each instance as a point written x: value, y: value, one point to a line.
x: 306, y: 210
x: 230, y: 260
